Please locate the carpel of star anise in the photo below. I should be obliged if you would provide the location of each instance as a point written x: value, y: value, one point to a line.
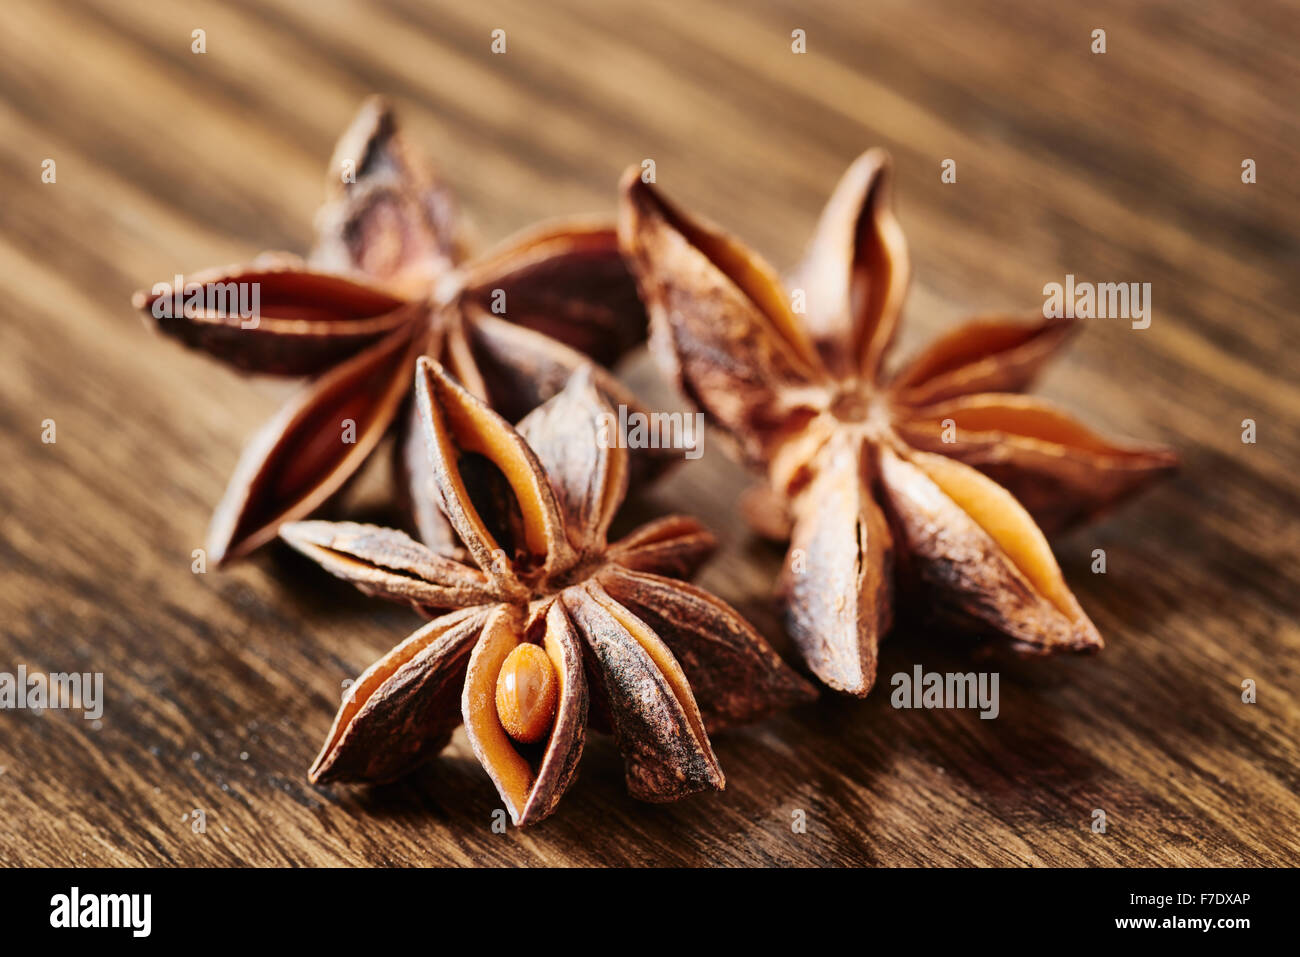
x: 546, y: 620
x: 940, y: 474
x: 387, y: 281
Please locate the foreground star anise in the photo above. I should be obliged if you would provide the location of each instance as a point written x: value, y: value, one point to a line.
x: 920, y: 470
x: 389, y: 281
x: 551, y: 618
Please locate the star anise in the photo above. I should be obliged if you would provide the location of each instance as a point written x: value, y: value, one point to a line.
x: 913, y: 476
x: 388, y: 281
x: 546, y: 619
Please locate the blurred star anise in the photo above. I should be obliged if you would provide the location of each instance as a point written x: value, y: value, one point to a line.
x: 913, y: 476
x: 547, y: 620
x: 388, y: 281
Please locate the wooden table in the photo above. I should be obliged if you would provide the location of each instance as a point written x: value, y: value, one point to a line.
x: 1122, y: 166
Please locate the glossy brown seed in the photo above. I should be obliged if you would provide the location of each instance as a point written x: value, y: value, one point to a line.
x: 527, y: 691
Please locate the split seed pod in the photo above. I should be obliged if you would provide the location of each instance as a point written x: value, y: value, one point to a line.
x: 943, y: 469
x: 545, y: 624
x: 389, y: 280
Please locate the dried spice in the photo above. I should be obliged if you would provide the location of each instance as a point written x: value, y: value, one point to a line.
x: 859, y: 472
x: 389, y: 280
x: 547, y: 625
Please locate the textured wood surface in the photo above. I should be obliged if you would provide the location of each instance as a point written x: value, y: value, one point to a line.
x: 220, y: 687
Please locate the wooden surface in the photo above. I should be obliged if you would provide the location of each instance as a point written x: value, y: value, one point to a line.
x: 220, y: 687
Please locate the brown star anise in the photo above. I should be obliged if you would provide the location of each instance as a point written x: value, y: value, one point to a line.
x: 388, y: 281
x: 551, y: 618
x: 913, y: 476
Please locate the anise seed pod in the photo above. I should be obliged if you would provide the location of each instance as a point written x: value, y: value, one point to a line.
x: 860, y: 476
x: 657, y: 661
x: 389, y: 280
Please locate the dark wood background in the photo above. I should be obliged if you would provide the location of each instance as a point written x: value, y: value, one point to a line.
x: 220, y: 687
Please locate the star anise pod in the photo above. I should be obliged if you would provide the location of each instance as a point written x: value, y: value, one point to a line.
x: 547, y: 618
x: 389, y: 280
x: 857, y: 461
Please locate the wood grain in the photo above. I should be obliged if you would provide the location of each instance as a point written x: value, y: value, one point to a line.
x: 1116, y: 167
